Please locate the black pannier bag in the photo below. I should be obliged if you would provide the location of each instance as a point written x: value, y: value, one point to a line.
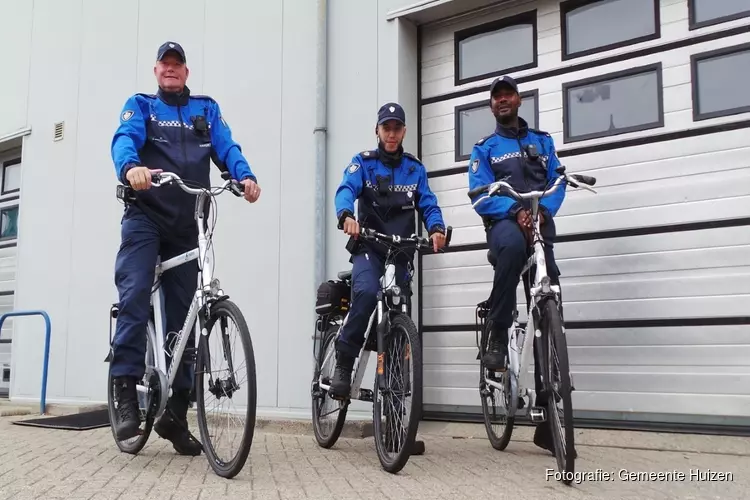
x: 333, y: 298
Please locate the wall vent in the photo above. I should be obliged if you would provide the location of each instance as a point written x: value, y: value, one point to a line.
x: 59, y: 129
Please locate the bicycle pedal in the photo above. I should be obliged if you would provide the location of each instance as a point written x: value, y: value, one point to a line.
x: 366, y: 395
x: 521, y: 403
x: 537, y: 414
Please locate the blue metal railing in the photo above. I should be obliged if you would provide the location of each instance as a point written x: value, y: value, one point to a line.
x: 43, y: 402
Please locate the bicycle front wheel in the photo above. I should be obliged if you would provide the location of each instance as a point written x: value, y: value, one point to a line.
x: 397, y: 405
x: 560, y: 388
x: 225, y: 376
x: 496, y: 402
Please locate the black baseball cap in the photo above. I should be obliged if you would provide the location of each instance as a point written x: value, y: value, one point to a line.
x: 173, y: 46
x: 503, y: 80
x: 391, y: 111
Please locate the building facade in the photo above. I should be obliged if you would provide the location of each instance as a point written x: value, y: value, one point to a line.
x: 654, y: 267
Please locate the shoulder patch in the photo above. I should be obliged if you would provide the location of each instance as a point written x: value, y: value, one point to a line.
x: 373, y: 153
x: 481, y: 141
x: 475, y: 165
x: 412, y: 157
x: 353, y: 167
x: 127, y: 115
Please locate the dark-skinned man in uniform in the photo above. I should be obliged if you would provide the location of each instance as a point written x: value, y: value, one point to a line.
x: 172, y: 131
x: 525, y: 158
x: 390, y: 185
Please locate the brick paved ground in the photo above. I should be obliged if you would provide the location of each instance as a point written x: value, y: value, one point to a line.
x: 40, y: 463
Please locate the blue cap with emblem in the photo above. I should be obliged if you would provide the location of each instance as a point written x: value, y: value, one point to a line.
x: 503, y: 81
x: 170, y: 46
x: 391, y: 111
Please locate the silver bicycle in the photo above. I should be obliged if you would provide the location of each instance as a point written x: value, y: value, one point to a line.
x: 210, y: 307
x: 391, y: 333
x: 545, y: 327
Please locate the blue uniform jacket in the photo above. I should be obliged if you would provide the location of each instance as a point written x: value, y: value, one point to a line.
x: 388, y: 197
x: 180, y: 134
x: 503, y: 156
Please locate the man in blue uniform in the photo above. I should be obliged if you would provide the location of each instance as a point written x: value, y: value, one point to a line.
x: 526, y: 159
x: 171, y: 131
x: 390, y: 185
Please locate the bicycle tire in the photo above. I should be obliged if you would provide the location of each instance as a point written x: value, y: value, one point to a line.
x: 326, y: 441
x: 229, y: 309
x: 404, y: 323
x: 557, y: 348
x: 134, y: 447
x: 498, y: 442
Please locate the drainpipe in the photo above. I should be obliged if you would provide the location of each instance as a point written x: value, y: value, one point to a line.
x: 319, y: 132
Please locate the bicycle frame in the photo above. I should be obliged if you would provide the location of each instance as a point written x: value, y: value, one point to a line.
x: 387, y: 287
x: 541, y: 288
x: 207, y: 290
x: 389, y: 292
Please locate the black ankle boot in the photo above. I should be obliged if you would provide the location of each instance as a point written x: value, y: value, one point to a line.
x: 128, y: 418
x: 496, y: 357
x: 342, y: 377
x: 176, y: 431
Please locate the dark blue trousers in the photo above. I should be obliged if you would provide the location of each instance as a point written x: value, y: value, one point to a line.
x: 510, y: 250
x: 368, y: 268
x: 143, y: 242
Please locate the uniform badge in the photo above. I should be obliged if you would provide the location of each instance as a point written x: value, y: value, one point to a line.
x: 475, y: 166
x: 127, y: 115
x: 409, y: 194
x: 353, y: 167
x: 392, y: 109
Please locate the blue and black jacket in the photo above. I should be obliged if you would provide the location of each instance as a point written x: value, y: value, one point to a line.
x: 177, y: 133
x: 504, y: 156
x: 389, y: 193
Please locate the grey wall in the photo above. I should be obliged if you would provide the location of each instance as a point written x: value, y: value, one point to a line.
x: 78, y: 62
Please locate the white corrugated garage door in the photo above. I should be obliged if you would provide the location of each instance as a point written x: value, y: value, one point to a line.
x: 656, y: 267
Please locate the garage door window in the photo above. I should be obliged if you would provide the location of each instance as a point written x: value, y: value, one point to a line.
x: 719, y: 80
x: 475, y: 120
x: 707, y: 12
x: 595, y: 26
x: 617, y: 103
x: 499, y: 47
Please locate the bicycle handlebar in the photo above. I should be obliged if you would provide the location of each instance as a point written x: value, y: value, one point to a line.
x: 419, y: 242
x: 502, y: 187
x: 229, y: 184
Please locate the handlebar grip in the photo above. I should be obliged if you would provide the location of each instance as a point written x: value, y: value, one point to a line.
x: 448, y: 234
x: 586, y: 179
x: 478, y: 190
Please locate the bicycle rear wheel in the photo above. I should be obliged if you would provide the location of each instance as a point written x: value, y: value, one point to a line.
x: 560, y: 388
x: 213, y: 387
x: 402, y: 369
x: 495, y: 402
x: 147, y: 405
x: 327, y: 432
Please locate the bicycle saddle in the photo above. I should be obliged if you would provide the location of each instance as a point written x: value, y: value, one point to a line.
x: 345, y: 275
x: 491, y: 259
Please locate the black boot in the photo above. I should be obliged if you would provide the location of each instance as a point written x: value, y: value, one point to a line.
x: 342, y: 377
x: 176, y: 430
x: 496, y: 357
x: 128, y: 415
x: 543, y: 438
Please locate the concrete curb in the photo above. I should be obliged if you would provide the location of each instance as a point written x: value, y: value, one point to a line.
x: 355, y: 429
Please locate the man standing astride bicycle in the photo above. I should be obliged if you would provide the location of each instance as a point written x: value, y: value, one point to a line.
x: 390, y: 185
x: 504, y: 155
x: 171, y: 131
